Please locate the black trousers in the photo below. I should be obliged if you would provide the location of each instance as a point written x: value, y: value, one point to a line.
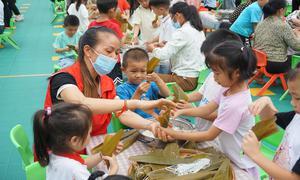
x: 279, y: 67
x: 12, y: 6
x: 7, y: 13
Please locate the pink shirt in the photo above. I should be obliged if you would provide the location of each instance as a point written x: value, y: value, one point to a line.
x: 235, y: 120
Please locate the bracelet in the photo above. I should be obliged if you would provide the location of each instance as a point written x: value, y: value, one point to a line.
x: 124, y: 108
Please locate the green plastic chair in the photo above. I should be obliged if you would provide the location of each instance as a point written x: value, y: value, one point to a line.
x: 288, y: 10
x: 295, y: 61
x: 6, y: 36
x: 20, y: 140
x: 59, y: 10
x: 116, y: 123
x: 35, y: 171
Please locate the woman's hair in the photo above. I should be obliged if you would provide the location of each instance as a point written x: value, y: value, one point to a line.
x: 189, y: 12
x: 134, y: 4
x: 134, y: 54
x: 273, y: 6
x: 231, y: 56
x: 90, y: 38
x: 294, y: 73
x: 53, y: 128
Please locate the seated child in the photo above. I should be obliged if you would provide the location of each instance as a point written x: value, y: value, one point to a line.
x: 166, y: 29
x: 66, y: 42
x: 65, y: 130
x: 134, y: 65
x: 286, y: 163
x: 107, y: 13
x: 143, y: 23
x: 210, y: 88
x: 232, y: 64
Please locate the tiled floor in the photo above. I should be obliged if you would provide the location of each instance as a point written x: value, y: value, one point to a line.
x: 20, y: 97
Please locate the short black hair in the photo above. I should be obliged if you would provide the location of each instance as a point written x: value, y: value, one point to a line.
x: 71, y: 20
x: 105, y: 5
x: 217, y: 37
x: 160, y: 3
x: 134, y: 54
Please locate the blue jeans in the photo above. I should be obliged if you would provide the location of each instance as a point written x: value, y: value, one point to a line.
x: 163, y: 68
x: 65, y: 62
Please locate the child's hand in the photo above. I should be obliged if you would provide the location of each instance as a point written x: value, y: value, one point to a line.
x: 155, y: 23
x: 67, y: 49
x: 176, y: 113
x: 150, y: 47
x: 169, y: 133
x: 135, y: 41
x: 163, y: 136
x: 153, y: 77
x: 182, y: 104
x: 257, y: 106
x: 143, y: 88
x: 125, y: 16
x: 119, y: 148
x: 113, y: 164
x: 250, y: 144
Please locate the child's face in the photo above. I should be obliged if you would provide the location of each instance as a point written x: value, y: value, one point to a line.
x: 222, y: 77
x: 71, y: 30
x: 294, y: 89
x: 136, y: 71
x: 159, y: 11
x: 144, y: 3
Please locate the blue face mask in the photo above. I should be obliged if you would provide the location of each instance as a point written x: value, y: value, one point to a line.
x: 176, y: 25
x: 104, y: 64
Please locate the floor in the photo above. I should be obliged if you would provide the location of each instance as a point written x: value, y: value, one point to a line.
x: 23, y: 79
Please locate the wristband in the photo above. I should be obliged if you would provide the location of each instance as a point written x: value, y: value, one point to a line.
x: 124, y: 108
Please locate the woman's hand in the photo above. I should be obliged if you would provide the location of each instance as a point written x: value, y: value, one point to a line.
x: 163, y: 136
x: 160, y: 103
x: 113, y: 164
x: 250, y: 145
x: 260, y: 104
x: 176, y: 113
x: 119, y: 148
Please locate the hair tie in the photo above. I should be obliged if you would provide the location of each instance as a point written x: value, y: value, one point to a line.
x: 47, y: 113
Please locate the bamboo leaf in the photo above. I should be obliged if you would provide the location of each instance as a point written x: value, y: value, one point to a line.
x: 109, y: 145
x: 164, y: 118
x: 152, y: 64
x: 179, y: 94
x: 265, y: 128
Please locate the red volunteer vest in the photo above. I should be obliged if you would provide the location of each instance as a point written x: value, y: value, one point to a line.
x: 100, y: 121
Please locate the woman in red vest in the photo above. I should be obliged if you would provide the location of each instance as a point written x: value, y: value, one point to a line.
x: 86, y: 82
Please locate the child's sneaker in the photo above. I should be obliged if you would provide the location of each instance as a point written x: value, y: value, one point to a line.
x: 19, y: 17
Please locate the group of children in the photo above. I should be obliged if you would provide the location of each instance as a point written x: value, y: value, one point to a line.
x: 225, y: 113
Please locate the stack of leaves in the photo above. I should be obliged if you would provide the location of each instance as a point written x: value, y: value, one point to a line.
x: 109, y: 145
x: 152, y: 166
x: 179, y: 94
x: 164, y: 118
x: 129, y: 138
x: 152, y: 65
x: 265, y: 128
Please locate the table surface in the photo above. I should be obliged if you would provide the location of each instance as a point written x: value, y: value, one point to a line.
x: 139, y: 148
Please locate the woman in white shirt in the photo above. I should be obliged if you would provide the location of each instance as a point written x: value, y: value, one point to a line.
x: 183, y: 49
x: 79, y: 9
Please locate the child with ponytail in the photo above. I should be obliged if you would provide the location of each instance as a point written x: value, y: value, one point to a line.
x: 59, y: 133
x: 232, y: 64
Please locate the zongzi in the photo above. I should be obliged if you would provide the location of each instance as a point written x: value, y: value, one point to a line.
x: 265, y: 128
x: 164, y: 118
